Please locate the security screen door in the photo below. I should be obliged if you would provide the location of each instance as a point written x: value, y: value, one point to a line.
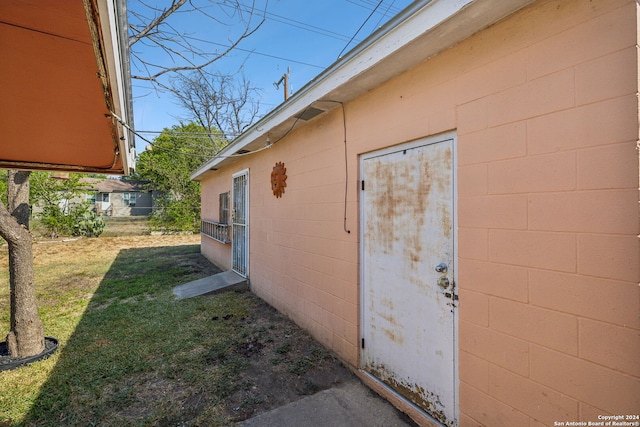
x: 240, y: 223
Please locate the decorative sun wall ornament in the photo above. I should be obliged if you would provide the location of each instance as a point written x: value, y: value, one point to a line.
x: 278, y: 179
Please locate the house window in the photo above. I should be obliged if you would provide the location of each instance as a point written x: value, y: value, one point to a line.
x: 224, y: 208
x: 129, y: 199
x: 91, y: 198
x: 105, y: 197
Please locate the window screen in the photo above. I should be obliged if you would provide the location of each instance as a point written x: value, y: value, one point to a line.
x: 224, y: 208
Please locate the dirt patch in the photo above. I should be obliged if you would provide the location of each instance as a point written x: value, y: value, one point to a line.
x: 282, y: 363
x: 270, y: 364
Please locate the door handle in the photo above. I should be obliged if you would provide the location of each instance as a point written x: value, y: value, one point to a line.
x: 441, y: 268
x: 443, y: 282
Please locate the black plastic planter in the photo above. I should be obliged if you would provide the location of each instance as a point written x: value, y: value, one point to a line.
x: 7, y: 362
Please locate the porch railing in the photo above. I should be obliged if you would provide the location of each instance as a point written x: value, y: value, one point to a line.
x: 215, y: 230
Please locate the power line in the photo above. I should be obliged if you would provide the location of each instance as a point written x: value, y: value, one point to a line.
x: 173, y: 132
x: 367, y: 4
x: 356, y: 33
x: 307, y: 27
x: 298, y: 24
x: 253, y: 52
x: 384, y: 14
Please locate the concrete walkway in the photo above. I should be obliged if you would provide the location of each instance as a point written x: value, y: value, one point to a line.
x: 351, y: 404
x: 228, y: 280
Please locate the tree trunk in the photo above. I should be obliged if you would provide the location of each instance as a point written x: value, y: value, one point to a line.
x: 26, y: 337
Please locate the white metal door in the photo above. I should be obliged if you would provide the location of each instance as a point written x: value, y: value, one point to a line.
x: 407, y: 276
x: 240, y: 222
x: 105, y: 204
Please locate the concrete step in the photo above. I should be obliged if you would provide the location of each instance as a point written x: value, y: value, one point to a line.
x: 228, y: 280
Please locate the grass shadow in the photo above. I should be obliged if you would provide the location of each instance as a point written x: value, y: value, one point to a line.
x: 131, y: 354
x: 137, y: 347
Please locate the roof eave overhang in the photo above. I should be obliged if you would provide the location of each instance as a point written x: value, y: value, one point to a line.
x: 107, y: 20
x: 103, y: 37
x: 419, y: 32
x: 115, y: 43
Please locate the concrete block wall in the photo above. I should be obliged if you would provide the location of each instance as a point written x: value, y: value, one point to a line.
x: 545, y: 106
x: 301, y: 260
x: 548, y: 218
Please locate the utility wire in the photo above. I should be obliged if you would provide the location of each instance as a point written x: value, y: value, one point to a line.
x: 363, y: 24
x: 206, y: 156
x: 297, y: 24
x: 203, y: 134
x: 253, y: 52
x: 384, y: 14
x: 153, y: 144
x: 367, y: 4
x: 346, y: 161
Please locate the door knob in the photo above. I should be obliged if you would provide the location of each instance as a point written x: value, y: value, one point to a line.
x: 443, y: 282
x: 441, y: 268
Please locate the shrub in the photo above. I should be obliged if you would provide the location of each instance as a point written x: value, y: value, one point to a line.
x: 89, y: 225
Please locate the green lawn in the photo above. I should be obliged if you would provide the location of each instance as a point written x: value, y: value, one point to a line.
x: 130, y: 353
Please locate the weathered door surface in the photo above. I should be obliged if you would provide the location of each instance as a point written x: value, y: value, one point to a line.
x: 240, y: 223
x: 407, y: 275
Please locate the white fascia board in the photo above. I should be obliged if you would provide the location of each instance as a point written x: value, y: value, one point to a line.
x: 114, y: 30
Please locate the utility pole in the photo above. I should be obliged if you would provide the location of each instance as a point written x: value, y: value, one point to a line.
x: 285, y: 79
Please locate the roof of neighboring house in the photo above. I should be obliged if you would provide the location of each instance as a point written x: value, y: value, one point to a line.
x: 115, y: 185
x: 419, y: 32
x: 65, y: 81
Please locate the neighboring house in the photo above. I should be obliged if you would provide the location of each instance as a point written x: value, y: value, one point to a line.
x: 452, y: 208
x: 118, y: 198
x: 112, y: 197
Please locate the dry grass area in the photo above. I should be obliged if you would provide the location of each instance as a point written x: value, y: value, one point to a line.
x: 133, y: 355
x: 115, y: 227
x: 127, y: 226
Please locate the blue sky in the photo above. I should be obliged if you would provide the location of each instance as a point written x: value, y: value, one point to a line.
x: 304, y: 35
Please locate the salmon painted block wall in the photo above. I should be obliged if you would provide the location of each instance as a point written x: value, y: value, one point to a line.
x: 545, y: 107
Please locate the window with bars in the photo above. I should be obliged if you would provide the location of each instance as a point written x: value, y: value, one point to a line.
x: 224, y: 208
x: 219, y: 230
x: 216, y: 231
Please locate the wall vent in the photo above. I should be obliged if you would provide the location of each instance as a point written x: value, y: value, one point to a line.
x: 309, y: 113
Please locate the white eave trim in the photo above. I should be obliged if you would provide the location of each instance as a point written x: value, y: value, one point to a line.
x: 114, y: 29
x: 414, y: 24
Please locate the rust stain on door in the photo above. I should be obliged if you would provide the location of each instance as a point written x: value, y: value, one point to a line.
x: 401, y: 197
x: 407, y: 204
x: 416, y: 394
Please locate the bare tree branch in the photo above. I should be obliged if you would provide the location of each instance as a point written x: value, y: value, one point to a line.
x: 190, y: 67
x: 153, y: 25
x: 226, y: 103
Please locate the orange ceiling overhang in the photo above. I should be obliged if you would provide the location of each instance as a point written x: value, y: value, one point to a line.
x: 64, y: 78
